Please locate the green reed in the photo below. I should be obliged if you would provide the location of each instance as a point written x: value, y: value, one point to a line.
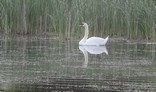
x: 133, y: 19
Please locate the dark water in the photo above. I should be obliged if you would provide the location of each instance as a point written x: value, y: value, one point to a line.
x: 42, y: 64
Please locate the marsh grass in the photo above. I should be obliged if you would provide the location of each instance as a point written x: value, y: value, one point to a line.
x: 133, y: 19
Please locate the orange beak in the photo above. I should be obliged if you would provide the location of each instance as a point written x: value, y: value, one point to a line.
x: 81, y: 25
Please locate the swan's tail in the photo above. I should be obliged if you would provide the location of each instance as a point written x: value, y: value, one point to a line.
x: 106, y: 39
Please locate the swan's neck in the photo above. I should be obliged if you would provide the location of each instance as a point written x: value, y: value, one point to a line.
x: 86, y: 33
x: 82, y: 42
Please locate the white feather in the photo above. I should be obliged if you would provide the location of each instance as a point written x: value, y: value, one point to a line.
x: 97, y: 41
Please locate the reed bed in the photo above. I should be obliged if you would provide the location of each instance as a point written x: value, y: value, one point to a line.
x: 133, y: 19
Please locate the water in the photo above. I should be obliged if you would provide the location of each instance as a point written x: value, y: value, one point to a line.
x: 39, y: 64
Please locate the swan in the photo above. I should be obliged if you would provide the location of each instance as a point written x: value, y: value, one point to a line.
x: 96, y: 41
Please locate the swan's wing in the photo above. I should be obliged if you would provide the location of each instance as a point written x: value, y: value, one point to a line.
x: 95, y: 41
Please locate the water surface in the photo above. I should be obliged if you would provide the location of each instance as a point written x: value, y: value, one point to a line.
x: 38, y: 64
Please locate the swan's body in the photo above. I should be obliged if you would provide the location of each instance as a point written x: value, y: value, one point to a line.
x: 97, y: 41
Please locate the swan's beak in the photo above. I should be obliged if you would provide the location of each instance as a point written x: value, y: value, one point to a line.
x: 81, y: 25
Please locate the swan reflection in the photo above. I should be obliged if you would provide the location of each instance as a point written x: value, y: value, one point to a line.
x: 92, y: 50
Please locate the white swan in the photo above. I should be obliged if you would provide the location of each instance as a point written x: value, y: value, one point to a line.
x: 97, y: 41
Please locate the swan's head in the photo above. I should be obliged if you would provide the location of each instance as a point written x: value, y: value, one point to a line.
x: 83, y: 24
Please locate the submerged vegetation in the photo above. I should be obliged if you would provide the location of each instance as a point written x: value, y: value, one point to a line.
x: 133, y: 19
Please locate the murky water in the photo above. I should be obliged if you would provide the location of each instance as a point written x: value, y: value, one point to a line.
x: 43, y: 64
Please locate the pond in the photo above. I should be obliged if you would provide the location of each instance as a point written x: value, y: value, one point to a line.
x: 39, y: 64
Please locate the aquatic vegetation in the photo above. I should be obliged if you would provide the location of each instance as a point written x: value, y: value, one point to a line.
x: 133, y: 19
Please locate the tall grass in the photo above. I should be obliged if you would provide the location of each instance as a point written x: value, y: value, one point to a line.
x: 134, y: 19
